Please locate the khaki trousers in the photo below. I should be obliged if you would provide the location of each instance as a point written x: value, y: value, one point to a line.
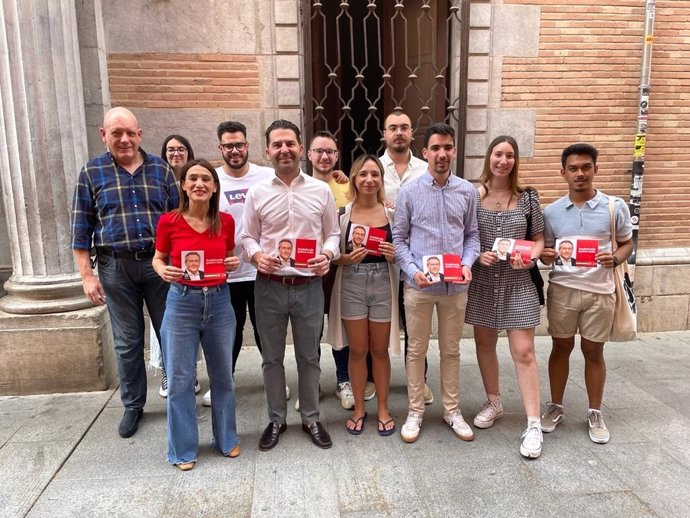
x: 419, y: 308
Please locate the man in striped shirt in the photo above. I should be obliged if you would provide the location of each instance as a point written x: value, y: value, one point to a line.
x: 117, y: 202
x: 435, y: 214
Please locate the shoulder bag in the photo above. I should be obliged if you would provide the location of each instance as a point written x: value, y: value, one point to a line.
x: 624, y: 323
x: 537, y: 279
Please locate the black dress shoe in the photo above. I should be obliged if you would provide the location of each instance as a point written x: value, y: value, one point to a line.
x: 271, y: 435
x: 319, y: 435
x: 130, y: 422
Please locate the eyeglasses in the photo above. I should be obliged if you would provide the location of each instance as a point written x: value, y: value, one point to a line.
x: 179, y: 150
x: 320, y: 151
x: 229, y: 147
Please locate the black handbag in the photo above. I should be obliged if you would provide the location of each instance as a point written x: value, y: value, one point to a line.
x: 537, y: 279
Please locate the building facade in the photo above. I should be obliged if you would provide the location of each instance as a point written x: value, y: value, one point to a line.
x: 547, y: 72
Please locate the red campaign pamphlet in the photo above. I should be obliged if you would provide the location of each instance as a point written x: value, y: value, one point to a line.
x: 375, y: 238
x: 524, y: 248
x: 452, y: 267
x: 305, y: 249
x: 586, y: 252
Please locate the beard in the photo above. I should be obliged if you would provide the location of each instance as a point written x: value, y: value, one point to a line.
x: 243, y: 160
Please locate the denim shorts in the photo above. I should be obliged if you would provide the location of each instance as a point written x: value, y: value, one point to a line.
x: 365, y: 292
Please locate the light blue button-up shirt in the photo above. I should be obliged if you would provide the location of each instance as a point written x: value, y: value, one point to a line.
x: 432, y: 219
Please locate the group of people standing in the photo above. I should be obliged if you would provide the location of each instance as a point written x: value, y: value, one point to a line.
x: 202, y: 245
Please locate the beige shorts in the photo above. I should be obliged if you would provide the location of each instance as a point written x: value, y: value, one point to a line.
x: 570, y: 310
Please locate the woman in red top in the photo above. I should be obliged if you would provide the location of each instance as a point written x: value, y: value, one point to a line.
x: 194, y: 246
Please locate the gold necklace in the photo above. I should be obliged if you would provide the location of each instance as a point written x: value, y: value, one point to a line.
x: 499, y: 202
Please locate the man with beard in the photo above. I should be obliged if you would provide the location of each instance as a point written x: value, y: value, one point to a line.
x: 401, y: 167
x: 236, y: 176
x: 291, y: 205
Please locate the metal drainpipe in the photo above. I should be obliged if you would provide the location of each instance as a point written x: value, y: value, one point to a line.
x: 641, y: 135
x: 462, y: 98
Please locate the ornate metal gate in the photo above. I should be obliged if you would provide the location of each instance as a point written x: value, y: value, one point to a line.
x: 365, y: 58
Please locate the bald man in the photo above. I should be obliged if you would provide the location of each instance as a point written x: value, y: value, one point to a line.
x: 117, y: 202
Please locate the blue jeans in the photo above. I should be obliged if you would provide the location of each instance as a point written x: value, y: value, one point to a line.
x: 127, y: 284
x: 194, y: 316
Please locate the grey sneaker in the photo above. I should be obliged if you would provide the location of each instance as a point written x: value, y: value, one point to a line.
x: 369, y: 391
x: 491, y: 411
x: 597, y: 428
x: 459, y: 426
x: 531, y: 442
x: 552, y: 417
x: 163, y: 390
x: 428, y: 395
x: 344, y: 392
x: 410, y: 430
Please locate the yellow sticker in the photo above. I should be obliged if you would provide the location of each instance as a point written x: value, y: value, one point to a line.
x: 640, y: 141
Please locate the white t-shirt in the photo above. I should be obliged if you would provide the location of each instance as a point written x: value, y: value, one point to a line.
x: 232, y: 198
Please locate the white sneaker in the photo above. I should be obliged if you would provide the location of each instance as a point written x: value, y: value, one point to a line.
x: 297, y: 400
x: 531, y: 441
x: 410, y: 430
x: 206, y: 399
x: 491, y: 411
x: 428, y: 395
x: 344, y: 392
x: 597, y: 428
x: 459, y: 426
x: 287, y: 393
x: 369, y: 391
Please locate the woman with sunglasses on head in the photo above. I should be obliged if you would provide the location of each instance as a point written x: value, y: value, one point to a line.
x: 198, y: 312
x: 502, y: 294
x: 365, y: 294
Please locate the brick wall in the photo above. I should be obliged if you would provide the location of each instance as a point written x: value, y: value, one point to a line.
x: 583, y: 86
x: 184, y: 80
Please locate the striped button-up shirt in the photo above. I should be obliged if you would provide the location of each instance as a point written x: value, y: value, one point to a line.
x: 431, y: 219
x: 117, y: 210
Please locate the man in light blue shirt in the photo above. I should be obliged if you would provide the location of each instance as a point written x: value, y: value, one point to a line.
x: 581, y: 298
x: 436, y: 214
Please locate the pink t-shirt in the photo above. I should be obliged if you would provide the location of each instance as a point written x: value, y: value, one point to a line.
x: 199, y: 254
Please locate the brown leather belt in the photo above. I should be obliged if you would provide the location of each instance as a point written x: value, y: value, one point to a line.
x: 290, y: 280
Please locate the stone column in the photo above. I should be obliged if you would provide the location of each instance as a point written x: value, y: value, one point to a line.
x: 42, y: 146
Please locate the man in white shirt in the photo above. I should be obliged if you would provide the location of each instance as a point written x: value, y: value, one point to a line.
x: 401, y: 167
x: 236, y: 176
x: 400, y: 164
x: 291, y: 205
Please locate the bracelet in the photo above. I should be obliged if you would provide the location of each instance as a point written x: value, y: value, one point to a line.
x: 616, y: 262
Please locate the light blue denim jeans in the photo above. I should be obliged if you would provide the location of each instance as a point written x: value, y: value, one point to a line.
x: 194, y: 316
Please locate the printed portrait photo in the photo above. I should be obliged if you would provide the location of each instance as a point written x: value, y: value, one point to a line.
x: 357, y: 237
x: 433, y: 268
x: 192, y: 265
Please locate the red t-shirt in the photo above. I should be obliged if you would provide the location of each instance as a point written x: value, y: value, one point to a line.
x: 199, y: 254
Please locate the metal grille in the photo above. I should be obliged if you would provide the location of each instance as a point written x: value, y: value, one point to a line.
x: 366, y: 58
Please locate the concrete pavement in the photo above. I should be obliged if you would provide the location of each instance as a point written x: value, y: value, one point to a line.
x: 60, y: 455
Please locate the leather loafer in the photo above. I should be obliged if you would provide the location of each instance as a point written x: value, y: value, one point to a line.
x: 130, y: 422
x: 319, y: 435
x: 271, y: 435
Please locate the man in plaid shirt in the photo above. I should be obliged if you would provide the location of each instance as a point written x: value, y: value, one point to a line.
x: 117, y: 202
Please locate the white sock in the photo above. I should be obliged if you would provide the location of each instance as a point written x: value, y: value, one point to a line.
x: 532, y: 420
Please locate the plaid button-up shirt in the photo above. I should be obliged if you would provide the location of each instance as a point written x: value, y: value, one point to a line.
x: 117, y: 210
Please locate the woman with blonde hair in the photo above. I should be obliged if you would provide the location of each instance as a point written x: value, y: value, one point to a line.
x: 365, y: 294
